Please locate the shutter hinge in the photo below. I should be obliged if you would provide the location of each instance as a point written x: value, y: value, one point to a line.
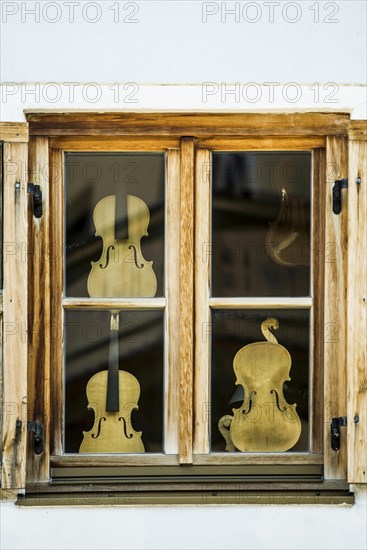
x: 335, y: 425
x: 337, y: 194
x: 37, y: 199
x: 37, y: 429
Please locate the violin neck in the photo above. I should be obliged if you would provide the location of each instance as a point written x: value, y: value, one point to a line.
x: 112, y: 399
x: 121, y: 221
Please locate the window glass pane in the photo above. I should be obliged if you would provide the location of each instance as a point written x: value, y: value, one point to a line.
x: 114, y: 217
x: 88, y: 349
x: 264, y: 421
x: 261, y: 224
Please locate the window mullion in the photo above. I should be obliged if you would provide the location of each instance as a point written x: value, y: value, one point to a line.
x: 186, y: 297
x: 172, y: 321
x: 202, y: 311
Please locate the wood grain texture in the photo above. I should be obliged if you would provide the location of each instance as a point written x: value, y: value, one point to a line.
x: 39, y: 311
x: 172, y: 292
x: 256, y: 143
x: 108, y: 460
x: 335, y: 308
x: 260, y: 303
x: 317, y: 311
x: 114, y: 143
x: 15, y: 317
x: 357, y: 313
x: 14, y: 132
x: 56, y: 198
x: 186, y: 298
x: 179, y: 124
x: 114, y: 303
x: 258, y: 458
x: 202, y: 311
x: 358, y: 130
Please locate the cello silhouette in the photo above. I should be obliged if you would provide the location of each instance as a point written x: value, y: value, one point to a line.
x: 121, y: 221
x: 265, y: 421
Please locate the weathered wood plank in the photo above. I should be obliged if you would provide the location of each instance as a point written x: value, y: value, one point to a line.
x: 357, y: 313
x: 197, y: 124
x: 259, y: 303
x: 114, y: 303
x: 114, y: 143
x: 358, y: 130
x: 335, y: 308
x: 38, y: 310
x: 56, y: 253
x: 186, y: 298
x: 172, y: 328
x: 254, y: 459
x: 15, y: 316
x: 202, y: 311
x: 14, y: 132
x: 108, y: 460
x: 317, y: 311
x: 262, y: 143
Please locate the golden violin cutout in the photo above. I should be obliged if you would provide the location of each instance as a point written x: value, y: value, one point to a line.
x: 121, y: 271
x: 287, y: 241
x: 121, y: 220
x: 265, y: 421
x: 112, y: 395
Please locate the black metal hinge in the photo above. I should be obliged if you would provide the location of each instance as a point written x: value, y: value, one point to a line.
x: 37, y: 199
x: 37, y: 429
x: 335, y: 425
x: 337, y: 194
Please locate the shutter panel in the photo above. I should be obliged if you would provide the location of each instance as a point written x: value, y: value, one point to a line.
x: 335, y: 331
x: 14, y: 428
x: 39, y: 311
x: 357, y: 304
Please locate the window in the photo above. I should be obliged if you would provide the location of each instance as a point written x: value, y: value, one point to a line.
x: 234, y: 310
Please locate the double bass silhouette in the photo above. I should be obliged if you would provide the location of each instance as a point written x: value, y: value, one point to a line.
x: 265, y: 421
x: 113, y: 394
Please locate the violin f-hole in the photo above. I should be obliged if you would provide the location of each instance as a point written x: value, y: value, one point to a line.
x: 95, y: 436
x: 136, y: 257
x: 277, y: 401
x: 249, y: 402
x: 124, y: 425
x: 111, y: 247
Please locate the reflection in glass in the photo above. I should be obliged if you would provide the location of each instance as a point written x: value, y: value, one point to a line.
x: 234, y: 329
x: 114, y: 224
x: 261, y: 224
x: 140, y: 348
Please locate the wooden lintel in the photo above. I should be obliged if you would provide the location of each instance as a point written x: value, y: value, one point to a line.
x: 188, y: 124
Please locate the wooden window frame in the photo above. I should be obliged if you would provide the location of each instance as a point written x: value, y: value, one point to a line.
x: 194, y: 135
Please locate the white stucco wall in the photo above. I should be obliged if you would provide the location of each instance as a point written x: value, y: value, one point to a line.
x: 193, y: 56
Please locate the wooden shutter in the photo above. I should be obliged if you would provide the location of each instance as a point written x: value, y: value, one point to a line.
x: 357, y: 304
x: 39, y: 321
x: 335, y: 307
x: 15, y: 253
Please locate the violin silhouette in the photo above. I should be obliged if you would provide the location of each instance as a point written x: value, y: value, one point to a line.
x: 287, y: 241
x: 121, y: 221
x: 112, y: 395
x: 265, y: 421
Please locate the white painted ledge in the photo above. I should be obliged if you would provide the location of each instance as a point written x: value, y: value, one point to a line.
x: 16, y: 99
